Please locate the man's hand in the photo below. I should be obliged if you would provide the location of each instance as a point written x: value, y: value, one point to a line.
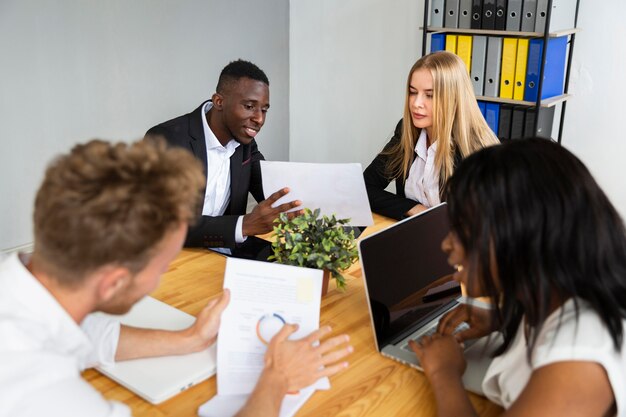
x: 261, y: 219
x: 299, y: 363
x: 144, y: 343
x: 203, y: 332
x: 292, y: 365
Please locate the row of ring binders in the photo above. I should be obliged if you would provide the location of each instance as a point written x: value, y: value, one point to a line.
x: 508, y: 67
x: 516, y: 122
x: 509, y: 15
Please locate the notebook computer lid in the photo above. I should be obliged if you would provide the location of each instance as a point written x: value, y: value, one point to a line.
x: 158, y: 379
x: 407, y: 276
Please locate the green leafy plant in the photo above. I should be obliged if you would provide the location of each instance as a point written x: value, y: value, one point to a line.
x: 316, y: 242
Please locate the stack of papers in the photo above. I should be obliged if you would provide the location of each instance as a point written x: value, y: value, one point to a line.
x: 264, y: 296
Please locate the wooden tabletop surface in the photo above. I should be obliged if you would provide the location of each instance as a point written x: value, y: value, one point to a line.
x: 371, y: 386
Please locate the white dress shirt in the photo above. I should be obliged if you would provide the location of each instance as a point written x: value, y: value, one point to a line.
x: 422, y: 184
x: 217, y: 194
x: 43, y: 351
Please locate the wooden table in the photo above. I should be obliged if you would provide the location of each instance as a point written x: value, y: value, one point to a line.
x: 371, y: 386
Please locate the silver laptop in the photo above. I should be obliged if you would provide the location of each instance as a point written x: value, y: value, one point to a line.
x: 409, y: 286
x: 158, y: 379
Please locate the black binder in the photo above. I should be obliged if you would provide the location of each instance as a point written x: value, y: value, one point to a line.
x: 504, y: 125
x: 477, y: 13
x: 501, y: 14
x: 543, y: 129
x: 489, y: 15
x: 517, y: 122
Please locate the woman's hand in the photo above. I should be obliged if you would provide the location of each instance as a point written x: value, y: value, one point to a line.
x: 440, y: 356
x: 418, y: 208
x: 480, y: 322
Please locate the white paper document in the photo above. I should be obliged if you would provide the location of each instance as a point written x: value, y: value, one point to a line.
x: 337, y: 189
x: 264, y: 296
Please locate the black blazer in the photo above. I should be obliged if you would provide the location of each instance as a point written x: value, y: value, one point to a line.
x: 376, y: 180
x: 245, y: 176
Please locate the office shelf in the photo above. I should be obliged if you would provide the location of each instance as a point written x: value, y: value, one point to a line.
x: 461, y: 5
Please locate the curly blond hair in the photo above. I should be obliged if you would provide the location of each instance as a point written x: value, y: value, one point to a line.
x: 112, y: 203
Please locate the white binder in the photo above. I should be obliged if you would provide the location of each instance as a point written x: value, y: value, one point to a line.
x: 563, y: 15
x: 436, y: 13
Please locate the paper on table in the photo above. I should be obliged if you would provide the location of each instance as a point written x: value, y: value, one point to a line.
x: 263, y: 297
x: 228, y: 405
x: 337, y: 189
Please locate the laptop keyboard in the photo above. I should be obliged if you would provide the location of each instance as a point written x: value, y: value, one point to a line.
x: 461, y: 327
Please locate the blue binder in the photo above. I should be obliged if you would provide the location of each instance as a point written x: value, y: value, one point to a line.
x: 554, y: 70
x: 492, y: 116
x: 437, y: 42
x: 482, y: 105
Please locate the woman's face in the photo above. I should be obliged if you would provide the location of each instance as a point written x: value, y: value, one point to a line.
x: 466, y: 271
x: 421, y: 98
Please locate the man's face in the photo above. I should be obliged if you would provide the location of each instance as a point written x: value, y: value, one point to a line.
x: 146, y: 280
x: 244, y: 106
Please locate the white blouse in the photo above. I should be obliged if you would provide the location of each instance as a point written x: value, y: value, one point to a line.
x: 584, y: 340
x: 422, y: 184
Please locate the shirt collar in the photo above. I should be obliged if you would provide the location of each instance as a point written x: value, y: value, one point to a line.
x: 35, y: 305
x: 211, y: 140
x: 421, y: 147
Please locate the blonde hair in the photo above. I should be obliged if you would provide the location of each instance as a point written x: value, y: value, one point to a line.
x: 109, y: 203
x: 458, y: 124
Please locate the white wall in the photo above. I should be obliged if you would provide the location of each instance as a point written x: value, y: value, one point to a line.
x: 77, y: 69
x: 349, y: 60
x: 72, y: 70
x: 594, y: 119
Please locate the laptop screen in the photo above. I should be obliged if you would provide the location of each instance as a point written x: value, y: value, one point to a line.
x: 407, y: 275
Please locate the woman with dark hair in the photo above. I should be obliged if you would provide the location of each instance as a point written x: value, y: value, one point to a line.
x: 532, y: 230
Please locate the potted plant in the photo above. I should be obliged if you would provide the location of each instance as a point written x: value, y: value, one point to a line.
x: 310, y: 241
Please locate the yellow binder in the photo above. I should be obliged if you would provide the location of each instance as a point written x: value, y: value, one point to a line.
x: 464, y: 50
x: 520, y: 69
x: 507, y: 76
x: 451, y: 43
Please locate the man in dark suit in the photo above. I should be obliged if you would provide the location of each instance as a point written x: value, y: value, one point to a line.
x: 220, y: 133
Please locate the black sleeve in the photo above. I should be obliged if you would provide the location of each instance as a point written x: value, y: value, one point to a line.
x: 376, y: 180
x: 213, y: 232
x: 169, y: 133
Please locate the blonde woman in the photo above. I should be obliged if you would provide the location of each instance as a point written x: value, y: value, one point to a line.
x: 442, y: 124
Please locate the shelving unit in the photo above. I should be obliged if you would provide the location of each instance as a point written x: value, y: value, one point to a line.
x: 546, y: 36
x: 486, y: 32
x: 547, y: 102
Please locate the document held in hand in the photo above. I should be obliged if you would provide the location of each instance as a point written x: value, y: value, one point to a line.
x: 337, y: 189
x: 264, y: 296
